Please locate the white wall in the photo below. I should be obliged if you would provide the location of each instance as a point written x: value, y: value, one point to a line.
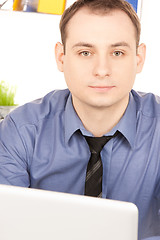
x: 27, y: 43
x: 149, y: 79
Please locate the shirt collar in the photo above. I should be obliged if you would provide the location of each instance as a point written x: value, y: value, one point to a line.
x: 72, y: 121
x: 127, y: 124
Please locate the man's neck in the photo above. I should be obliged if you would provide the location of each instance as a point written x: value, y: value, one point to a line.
x: 100, y: 121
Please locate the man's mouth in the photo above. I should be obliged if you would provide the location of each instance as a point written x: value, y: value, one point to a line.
x: 102, y: 88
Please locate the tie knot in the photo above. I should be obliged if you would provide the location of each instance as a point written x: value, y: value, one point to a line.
x: 97, y: 143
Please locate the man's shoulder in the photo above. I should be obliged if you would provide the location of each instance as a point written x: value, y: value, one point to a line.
x: 42, y: 108
x: 147, y: 103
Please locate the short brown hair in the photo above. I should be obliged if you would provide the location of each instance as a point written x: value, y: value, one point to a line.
x: 100, y: 7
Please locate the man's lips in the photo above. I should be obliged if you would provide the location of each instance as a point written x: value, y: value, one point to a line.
x: 102, y: 88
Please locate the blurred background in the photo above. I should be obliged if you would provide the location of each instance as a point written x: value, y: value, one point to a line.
x: 27, y: 41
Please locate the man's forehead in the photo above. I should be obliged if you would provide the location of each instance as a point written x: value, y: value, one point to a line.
x: 77, y: 19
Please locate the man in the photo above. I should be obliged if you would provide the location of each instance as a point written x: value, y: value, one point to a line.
x: 44, y: 144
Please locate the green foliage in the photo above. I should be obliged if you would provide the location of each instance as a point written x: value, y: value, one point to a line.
x: 7, y: 94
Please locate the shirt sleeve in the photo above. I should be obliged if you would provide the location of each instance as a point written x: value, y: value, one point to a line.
x: 13, y: 155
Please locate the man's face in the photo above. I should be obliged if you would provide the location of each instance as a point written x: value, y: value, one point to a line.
x: 100, y: 62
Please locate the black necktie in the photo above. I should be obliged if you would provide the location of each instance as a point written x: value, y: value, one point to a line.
x: 93, y: 183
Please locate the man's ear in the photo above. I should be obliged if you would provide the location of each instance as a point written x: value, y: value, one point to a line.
x: 141, y: 55
x: 59, y: 55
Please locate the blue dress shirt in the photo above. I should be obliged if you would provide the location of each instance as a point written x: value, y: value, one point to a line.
x: 40, y: 147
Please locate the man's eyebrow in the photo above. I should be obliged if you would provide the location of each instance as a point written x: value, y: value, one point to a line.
x: 120, y: 44
x: 89, y: 45
x: 83, y: 44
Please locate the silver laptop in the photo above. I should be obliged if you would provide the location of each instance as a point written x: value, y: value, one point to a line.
x: 29, y: 214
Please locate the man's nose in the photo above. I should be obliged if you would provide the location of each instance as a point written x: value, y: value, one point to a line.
x: 102, y: 67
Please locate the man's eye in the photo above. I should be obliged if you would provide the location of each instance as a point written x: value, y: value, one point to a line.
x: 85, y: 54
x: 117, y: 53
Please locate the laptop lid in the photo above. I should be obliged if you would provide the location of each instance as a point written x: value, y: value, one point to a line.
x: 30, y: 214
